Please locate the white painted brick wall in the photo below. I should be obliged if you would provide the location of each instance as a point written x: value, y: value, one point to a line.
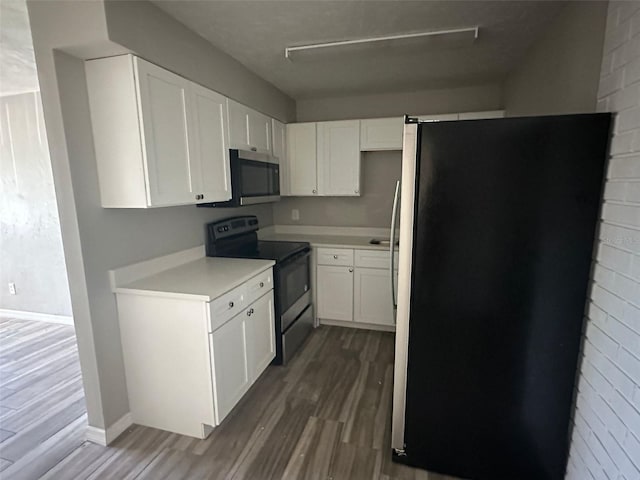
x: 606, y: 436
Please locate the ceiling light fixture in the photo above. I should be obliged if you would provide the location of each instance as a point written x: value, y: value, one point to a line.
x: 471, y: 33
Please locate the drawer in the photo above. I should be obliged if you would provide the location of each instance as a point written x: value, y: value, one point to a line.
x: 335, y: 256
x: 259, y: 285
x: 373, y: 259
x: 228, y: 305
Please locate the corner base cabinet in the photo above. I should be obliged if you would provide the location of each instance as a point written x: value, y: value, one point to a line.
x: 355, y: 286
x: 189, y: 362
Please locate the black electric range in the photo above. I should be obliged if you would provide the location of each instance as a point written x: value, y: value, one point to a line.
x: 236, y: 237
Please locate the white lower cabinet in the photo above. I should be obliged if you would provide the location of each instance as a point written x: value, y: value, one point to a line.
x: 260, y: 336
x: 354, y: 286
x: 372, y: 296
x: 229, y: 365
x: 189, y: 362
x: 240, y: 351
x: 335, y: 292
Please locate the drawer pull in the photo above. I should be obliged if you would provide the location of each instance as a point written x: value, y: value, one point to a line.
x: 231, y: 304
x: 261, y: 284
x: 249, y: 312
x: 351, y: 270
x: 335, y: 256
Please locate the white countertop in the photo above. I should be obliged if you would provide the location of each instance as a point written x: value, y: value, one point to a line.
x: 328, y: 241
x: 204, y: 279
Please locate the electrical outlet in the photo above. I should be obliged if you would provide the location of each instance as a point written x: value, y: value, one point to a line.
x: 12, y: 288
x: 295, y: 214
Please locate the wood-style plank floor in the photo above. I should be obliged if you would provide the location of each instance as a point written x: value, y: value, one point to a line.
x: 326, y: 415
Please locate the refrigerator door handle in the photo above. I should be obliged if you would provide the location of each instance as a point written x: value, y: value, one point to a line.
x: 392, y: 241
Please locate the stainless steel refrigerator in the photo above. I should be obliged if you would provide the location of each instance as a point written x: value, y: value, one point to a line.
x: 497, y: 226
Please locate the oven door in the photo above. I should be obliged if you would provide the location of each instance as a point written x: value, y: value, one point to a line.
x: 293, y: 287
x: 258, y: 181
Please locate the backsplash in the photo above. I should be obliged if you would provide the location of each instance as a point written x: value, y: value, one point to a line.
x: 380, y: 171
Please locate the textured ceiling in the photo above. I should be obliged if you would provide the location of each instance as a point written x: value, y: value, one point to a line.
x: 256, y: 33
x: 17, y: 62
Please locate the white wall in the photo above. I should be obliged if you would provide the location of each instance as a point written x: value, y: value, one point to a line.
x: 606, y: 437
x: 96, y: 239
x: 30, y: 239
x: 560, y: 72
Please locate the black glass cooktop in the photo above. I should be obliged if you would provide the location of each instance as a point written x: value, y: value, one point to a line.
x: 270, y: 250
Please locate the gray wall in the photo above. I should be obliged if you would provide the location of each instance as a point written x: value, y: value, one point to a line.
x: 560, y: 73
x: 30, y: 238
x: 380, y: 170
x: 97, y: 239
x: 463, y: 99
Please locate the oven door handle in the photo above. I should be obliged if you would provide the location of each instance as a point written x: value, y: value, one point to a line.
x: 304, y: 253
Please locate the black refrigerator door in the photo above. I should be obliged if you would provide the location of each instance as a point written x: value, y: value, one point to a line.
x: 506, y: 212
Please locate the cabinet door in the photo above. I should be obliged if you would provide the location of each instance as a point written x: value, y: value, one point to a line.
x: 339, y: 158
x: 210, y: 170
x: 259, y: 127
x: 381, y: 134
x: 238, y: 126
x: 372, y: 296
x: 229, y: 358
x: 279, y: 144
x: 261, y: 346
x: 301, y: 159
x: 335, y: 292
x: 278, y: 141
x: 163, y: 114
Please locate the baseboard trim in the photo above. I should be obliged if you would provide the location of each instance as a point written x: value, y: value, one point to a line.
x: 104, y: 437
x: 362, y: 326
x: 37, y: 317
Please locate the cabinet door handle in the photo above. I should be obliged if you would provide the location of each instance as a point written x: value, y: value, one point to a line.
x: 351, y: 270
x: 356, y: 191
x: 335, y: 256
x: 231, y: 304
x: 314, y: 191
x: 261, y: 284
x: 254, y: 149
x: 249, y: 312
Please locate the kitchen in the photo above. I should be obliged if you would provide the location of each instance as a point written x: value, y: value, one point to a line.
x: 108, y: 226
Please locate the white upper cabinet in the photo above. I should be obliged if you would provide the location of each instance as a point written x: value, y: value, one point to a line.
x: 278, y: 140
x: 279, y: 147
x: 248, y: 129
x: 259, y: 132
x: 301, y: 166
x: 209, y: 140
x: 238, y: 126
x: 323, y: 158
x: 159, y: 138
x: 164, y: 117
x: 339, y: 158
x: 381, y: 134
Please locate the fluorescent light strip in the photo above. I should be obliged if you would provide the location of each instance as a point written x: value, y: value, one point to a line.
x: 288, y: 50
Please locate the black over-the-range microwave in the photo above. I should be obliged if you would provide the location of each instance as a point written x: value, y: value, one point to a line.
x: 255, y: 178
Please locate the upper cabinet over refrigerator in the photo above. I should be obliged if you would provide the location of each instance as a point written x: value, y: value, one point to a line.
x: 160, y: 139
